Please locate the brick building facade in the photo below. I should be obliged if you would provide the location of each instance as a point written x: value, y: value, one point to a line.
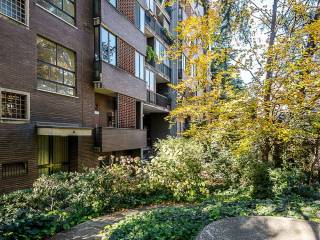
x: 74, y: 84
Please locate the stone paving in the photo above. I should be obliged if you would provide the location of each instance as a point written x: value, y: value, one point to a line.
x: 260, y: 228
x: 90, y: 230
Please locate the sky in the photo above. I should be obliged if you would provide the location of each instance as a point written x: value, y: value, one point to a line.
x: 263, y: 37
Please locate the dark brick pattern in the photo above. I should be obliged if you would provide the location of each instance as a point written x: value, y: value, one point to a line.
x: 126, y: 56
x: 127, y: 8
x: 127, y: 111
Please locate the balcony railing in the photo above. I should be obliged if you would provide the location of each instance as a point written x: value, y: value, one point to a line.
x: 158, y: 29
x: 164, y: 69
x: 157, y: 99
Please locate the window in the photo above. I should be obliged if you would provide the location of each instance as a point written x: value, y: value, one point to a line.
x: 108, y: 47
x: 56, y: 68
x: 161, y: 53
x: 151, y: 5
x: 151, y: 85
x: 15, y: 9
x: 139, y: 65
x: 140, y: 17
x: 15, y: 105
x: 14, y: 169
x: 113, y: 3
x: 53, y: 154
x: 64, y: 9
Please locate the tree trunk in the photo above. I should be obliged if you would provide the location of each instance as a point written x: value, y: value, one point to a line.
x: 268, y: 81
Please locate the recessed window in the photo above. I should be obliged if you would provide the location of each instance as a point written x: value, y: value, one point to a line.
x: 15, y: 9
x: 14, y: 105
x: 161, y: 53
x: 139, y: 65
x: 108, y: 47
x: 14, y: 169
x: 56, y: 68
x: 140, y: 17
x: 64, y: 9
x: 53, y: 154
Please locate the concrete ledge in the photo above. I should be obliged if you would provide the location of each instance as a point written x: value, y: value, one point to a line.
x: 261, y: 228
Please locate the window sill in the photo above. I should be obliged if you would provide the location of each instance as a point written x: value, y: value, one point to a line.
x: 14, y: 121
x: 60, y: 94
x: 61, y: 19
x: 14, y: 20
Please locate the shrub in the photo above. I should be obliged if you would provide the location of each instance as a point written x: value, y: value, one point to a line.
x: 186, y: 222
x: 178, y: 168
x: 167, y: 223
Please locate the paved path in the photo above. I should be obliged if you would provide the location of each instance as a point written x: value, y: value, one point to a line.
x: 90, y: 230
x: 260, y: 228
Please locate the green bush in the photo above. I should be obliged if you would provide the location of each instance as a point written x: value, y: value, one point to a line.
x: 55, y: 203
x: 167, y: 223
x: 186, y: 222
x: 179, y: 169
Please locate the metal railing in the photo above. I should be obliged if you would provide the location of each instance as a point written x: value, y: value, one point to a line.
x: 157, y: 28
x: 157, y: 99
x: 164, y: 69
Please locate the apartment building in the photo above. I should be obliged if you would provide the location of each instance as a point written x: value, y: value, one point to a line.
x: 80, y: 81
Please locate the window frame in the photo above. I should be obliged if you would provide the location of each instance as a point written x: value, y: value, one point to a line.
x: 74, y: 24
x: 148, y: 80
x: 116, y: 45
x: 140, y: 20
x: 26, y: 13
x: 141, y: 68
x: 39, y: 61
x: 15, y: 120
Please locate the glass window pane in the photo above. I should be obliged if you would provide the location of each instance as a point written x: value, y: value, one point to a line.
x: 56, y: 74
x: 57, y: 3
x: 142, y: 16
x: 64, y: 9
x: 66, y: 58
x: 112, y: 48
x: 68, y: 7
x: 47, y: 86
x: 108, y: 47
x: 46, y: 50
x: 69, y: 78
x: 65, y: 90
x: 43, y: 71
x: 113, y: 2
x: 141, y: 66
x: 137, y: 62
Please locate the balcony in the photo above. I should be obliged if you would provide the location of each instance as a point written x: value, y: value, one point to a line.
x: 164, y: 70
x: 119, y: 139
x: 158, y: 100
x: 158, y: 29
x: 110, y: 78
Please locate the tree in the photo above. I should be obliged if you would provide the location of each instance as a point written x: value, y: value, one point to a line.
x: 276, y: 116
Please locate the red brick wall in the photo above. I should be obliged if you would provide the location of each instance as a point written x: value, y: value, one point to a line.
x: 127, y: 8
x: 127, y: 111
x: 126, y: 56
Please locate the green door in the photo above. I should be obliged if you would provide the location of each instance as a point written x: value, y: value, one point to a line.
x: 53, y: 154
